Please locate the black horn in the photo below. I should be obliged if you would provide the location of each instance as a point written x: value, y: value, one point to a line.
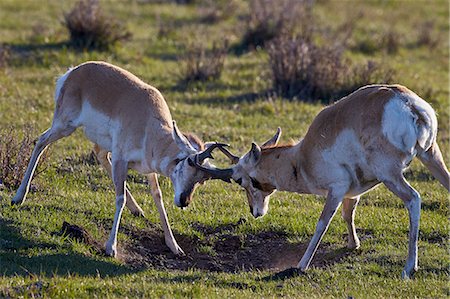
x: 207, y: 152
x: 214, y: 173
x: 234, y: 159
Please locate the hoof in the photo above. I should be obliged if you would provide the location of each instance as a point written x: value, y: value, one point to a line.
x: 407, y: 275
x: 111, y: 251
x: 353, y: 246
x: 175, y: 248
x: 285, y: 274
x: 16, y: 201
x: 139, y: 214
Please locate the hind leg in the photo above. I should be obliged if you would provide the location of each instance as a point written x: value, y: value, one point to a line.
x: 48, y: 137
x: 400, y: 187
x: 433, y: 160
x: 105, y: 161
x: 348, y: 213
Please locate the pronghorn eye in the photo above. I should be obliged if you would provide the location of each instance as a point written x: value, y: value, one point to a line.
x: 190, y: 162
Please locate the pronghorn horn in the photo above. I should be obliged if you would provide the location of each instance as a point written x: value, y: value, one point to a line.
x: 214, y: 173
x: 207, y: 152
x: 234, y: 159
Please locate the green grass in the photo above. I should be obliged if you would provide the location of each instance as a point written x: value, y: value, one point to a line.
x: 35, y: 260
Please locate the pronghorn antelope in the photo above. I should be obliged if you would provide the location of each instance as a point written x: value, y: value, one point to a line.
x: 131, y: 120
x: 366, y: 138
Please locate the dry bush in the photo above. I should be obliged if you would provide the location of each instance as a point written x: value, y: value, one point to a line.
x: 202, y: 64
x: 15, y: 154
x: 388, y: 41
x: 426, y: 35
x: 269, y: 18
x: 89, y: 28
x: 5, y: 54
x: 215, y: 11
x: 300, y: 68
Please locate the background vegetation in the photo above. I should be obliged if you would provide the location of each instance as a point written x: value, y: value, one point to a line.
x: 229, y: 74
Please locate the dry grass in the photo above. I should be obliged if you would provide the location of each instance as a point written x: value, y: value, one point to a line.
x: 302, y: 69
x: 216, y: 11
x: 426, y: 35
x: 15, y: 154
x: 90, y: 28
x: 203, y: 64
x: 5, y: 54
x: 267, y: 19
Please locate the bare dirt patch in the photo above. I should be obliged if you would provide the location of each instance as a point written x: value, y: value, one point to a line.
x: 221, y: 250
x: 226, y: 251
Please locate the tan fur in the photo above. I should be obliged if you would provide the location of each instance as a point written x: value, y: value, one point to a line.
x: 130, y: 119
x: 345, y: 153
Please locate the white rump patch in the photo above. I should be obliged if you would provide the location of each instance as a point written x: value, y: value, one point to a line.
x: 60, y: 83
x: 401, y: 126
x: 426, y: 133
x: 398, y: 125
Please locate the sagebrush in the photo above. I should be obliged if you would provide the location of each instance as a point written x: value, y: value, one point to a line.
x: 90, y: 28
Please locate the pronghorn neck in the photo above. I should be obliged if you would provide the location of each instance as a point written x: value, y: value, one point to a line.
x: 283, y: 168
x: 163, y: 154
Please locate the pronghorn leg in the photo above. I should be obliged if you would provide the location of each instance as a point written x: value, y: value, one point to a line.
x: 105, y: 161
x: 119, y: 175
x: 411, y: 198
x: 433, y: 160
x: 331, y: 205
x: 348, y: 213
x: 157, y: 197
x: 48, y: 137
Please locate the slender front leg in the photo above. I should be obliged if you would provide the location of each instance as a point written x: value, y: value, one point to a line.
x: 331, y: 205
x: 105, y: 161
x: 157, y: 197
x: 119, y: 172
x: 348, y: 214
x: 411, y: 198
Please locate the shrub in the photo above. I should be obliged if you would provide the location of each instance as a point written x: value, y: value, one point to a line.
x: 89, y: 28
x: 388, y: 41
x: 215, y: 11
x: 269, y: 18
x: 5, y: 54
x: 202, y: 64
x: 301, y: 68
x: 426, y: 36
x: 15, y: 153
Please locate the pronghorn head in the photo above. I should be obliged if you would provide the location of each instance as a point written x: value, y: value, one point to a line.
x: 186, y: 176
x: 249, y: 174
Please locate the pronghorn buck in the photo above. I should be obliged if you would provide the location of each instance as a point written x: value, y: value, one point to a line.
x: 131, y: 120
x: 366, y: 138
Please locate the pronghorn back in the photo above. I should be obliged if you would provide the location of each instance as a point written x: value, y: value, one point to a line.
x: 402, y: 117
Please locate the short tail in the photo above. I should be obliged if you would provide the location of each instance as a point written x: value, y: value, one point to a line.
x: 432, y: 159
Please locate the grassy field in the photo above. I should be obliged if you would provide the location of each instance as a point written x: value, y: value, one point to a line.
x: 228, y: 253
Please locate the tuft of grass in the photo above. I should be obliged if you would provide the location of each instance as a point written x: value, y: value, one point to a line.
x: 90, y: 28
x: 203, y: 64
x: 426, y: 35
x: 267, y: 19
x: 388, y: 41
x: 5, y: 54
x: 216, y: 11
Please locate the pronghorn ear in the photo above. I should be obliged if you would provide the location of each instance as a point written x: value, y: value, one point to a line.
x: 254, y: 154
x: 182, y: 141
x: 195, y: 142
x: 274, y: 140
